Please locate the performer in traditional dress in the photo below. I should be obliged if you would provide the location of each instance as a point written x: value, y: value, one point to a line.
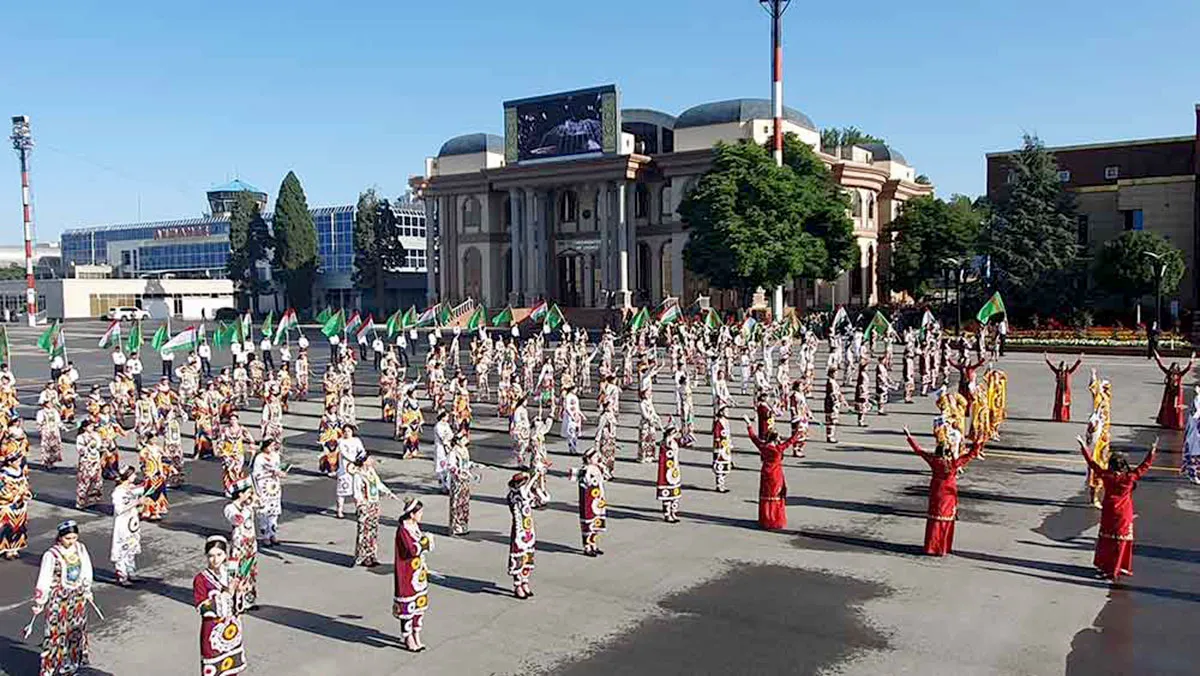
x: 572, y: 419
x: 669, y: 486
x: 267, y: 476
x: 172, y: 449
x: 243, y: 552
x: 88, y: 479
x: 348, y: 447
x: 64, y: 590
x: 1114, y: 546
x: 801, y: 415
x: 110, y: 430
x: 648, y: 427
x: 1171, y: 411
x: 460, y: 472
x: 943, y: 490
x: 967, y: 385
x: 772, y: 484
x: 154, y: 505
x: 216, y: 593
x: 14, y: 504
x: 410, y: 422
x: 411, y: 574
x: 50, y: 427
x: 521, y: 431
x: 834, y: 401
x: 862, y: 388
x: 722, y: 448
x: 443, y: 440
x: 685, y: 408
x: 127, y: 527
x: 1190, y: 466
x: 592, y: 505
x: 1062, y: 388
x: 235, y: 440
x: 522, y: 539
x: 368, y: 489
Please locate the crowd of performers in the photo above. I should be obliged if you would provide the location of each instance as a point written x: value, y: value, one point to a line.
x: 538, y: 384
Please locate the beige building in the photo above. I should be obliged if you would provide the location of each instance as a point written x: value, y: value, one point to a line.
x: 92, y: 293
x: 604, y: 227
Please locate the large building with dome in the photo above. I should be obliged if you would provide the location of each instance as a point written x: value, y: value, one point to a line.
x: 587, y: 216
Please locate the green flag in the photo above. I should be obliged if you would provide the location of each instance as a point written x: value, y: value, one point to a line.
x: 879, y: 325
x: 135, y: 338
x: 712, y: 320
x: 334, y: 325
x: 393, y: 324
x: 409, y: 319
x: 555, y: 317
x: 268, y: 325
x: 4, y: 344
x: 478, y: 318
x: 219, y: 339
x: 640, y: 319
x: 443, y: 316
x: 160, y: 338
x: 504, y: 318
x: 324, y: 316
x: 45, y: 342
x: 994, y: 306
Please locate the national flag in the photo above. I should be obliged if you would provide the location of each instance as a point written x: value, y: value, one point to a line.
x: 539, y: 312
x: 555, y: 318
x: 354, y: 323
x: 669, y: 314
x: 334, y: 325
x: 4, y: 352
x: 429, y: 315
x: 222, y: 337
x: 135, y: 340
x: 393, y: 324
x: 287, y: 323
x: 927, y: 321
x: 712, y: 320
x: 994, y: 306
x: 49, y: 337
x: 478, y: 319
x: 364, y: 327
x: 504, y: 318
x: 409, y: 319
x: 247, y: 326
x: 112, y: 335
x: 640, y: 319
x: 324, y: 316
x: 268, y: 325
x: 839, y: 318
x: 443, y: 317
x: 160, y: 337
x: 879, y: 326
x: 748, y: 324
x: 186, y: 339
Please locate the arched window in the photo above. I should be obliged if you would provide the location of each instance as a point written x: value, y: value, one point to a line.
x: 472, y: 264
x: 472, y: 213
x: 667, y: 265
x: 507, y: 213
x: 641, y: 201
x: 871, y: 205
x: 664, y: 200
x: 568, y: 207
x: 856, y: 203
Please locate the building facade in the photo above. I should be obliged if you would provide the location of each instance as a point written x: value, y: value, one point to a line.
x: 198, y: 249
x: 604, y: 228
x: 1145, y: 184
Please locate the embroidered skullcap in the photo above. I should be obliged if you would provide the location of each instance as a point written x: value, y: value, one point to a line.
x: 411, y: 505
x: 518, y: 479
x: 240, y: 486
x: 216, y: 541
x: 67, y: 527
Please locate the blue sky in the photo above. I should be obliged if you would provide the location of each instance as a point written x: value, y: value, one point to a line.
x: 138, y: 107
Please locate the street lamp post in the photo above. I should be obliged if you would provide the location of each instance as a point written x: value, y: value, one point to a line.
x: 22, y: 140
x: 957, y: 266
x: 776, y: 8
x: 1160, y: 270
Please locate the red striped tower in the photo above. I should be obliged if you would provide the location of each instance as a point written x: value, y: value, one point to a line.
x: 776, y: 8
x: 22, y: 139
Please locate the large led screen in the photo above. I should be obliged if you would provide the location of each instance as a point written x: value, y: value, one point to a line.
x: 570, y: 124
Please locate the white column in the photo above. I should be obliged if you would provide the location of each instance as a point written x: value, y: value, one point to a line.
x: 604, y: 231
x: 654, y: 274
x: 678, y: 241
x: 622, y: 235
x: 430, y: 239
x: 588, y: 277
x: 515, y: 236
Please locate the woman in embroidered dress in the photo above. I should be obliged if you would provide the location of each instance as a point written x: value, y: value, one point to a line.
x: 368, y: 489
x: 235, y: 439
x: 685, y: 408
x: 14, y: 504
x: 127, y: 532
x: 88, y: 478
x: 772, y: 484
x: 243, y: 553
x: 539, y: 461
x: 110, y: 430
x: 1114, y: 546
x: 943, y: 488
x: 592, y: 505
x: 522, y: 539
x: 216, y: 595
x: 722, y: 449
x: 272, y: 414
x: 411, y: 575
x: 64, y: 589
x: 329, y: 430
x: 521, y: 432
x: 411, y: 420
x: 1171, y: 411
x: 348, y: 448
x: 154, y: 484
x: 267, y: 477
x: 669, y: 487
x: 50, y: 425
x: 459, y: 470
x: 172, y: 448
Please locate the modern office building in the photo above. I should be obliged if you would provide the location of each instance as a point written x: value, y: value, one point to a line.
x: 198, y: 249
x: 1145, y: 184
x: 578, y: 202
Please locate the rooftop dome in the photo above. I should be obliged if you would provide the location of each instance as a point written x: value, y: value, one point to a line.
x: 737, y: 110
x: 649, y: 116
x: 883, y: 153
x: 237, y: 185
x: 469, y: 144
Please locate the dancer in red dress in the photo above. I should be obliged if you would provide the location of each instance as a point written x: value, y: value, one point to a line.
x: 943, y: 492
x: 1062, y: 388
x: 1114, y: 546
x: 772, y: 485
x: 966, y: 376
x: 1170, y: 412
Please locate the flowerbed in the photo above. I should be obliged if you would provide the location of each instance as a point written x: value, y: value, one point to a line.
x: 1098, y: 336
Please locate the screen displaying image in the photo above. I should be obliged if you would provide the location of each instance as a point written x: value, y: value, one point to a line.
x: 570, y: 124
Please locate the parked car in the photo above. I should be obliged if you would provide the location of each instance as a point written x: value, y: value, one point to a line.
x: 127, y: 313
x: 226, y: 314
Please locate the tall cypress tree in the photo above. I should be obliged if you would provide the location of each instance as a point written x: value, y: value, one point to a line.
x: 296, y: 242
x: 366, y: 261
x: 239, y: 264
x: 1032, y: 237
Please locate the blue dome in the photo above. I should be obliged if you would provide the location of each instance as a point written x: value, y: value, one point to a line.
x: 883, y: 153
x: 648, y: 116
x: 237, y: 185
x: 737, y: 110
x: 469, y: 144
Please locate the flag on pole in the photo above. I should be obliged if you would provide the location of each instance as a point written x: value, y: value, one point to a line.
x: 354, y: 323
x: 478, y: 319
x: 268, y: 324
x: 247, y: 326
x: 49, y: 337
x: 4, y: 352
x: 112, y: 335
x: 539, y: 312
x: 504, y: 318
x: 160, y: 337
x: 135, y: 340
x: 287, y: 323
x: 639, y: 320
x: 393, y: 324
x: 669, y: 314
x: 364, y: 327
x: 839, y: 318
x: 334, y: 325
x: 429, y: 315
x: 712, y: 320
x: 443, y: 317
x: 324, y: 316
x: 222, y: 337
x: 748, y: 324
x: 186, y: 339
x: 555, y: 318
x: 409, y: 319
x: 879, y: 325
x: 994, y: 306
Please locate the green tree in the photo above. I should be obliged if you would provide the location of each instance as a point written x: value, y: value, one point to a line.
x: 753, y: 224
x: 296, y: 242
x: 929, y: 232
x: 1123, y: 268
x: 12, y: 271
x: 846, y: 136
x: 1032, y: 236
x: 377, y: 247
x: 249, y: 243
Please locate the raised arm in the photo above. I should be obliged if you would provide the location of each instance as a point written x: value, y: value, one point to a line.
x: 976, y: 449
x: 1190, y: 364
x: 1077, y: 363
x: 1147, y: 462
x: 1087, y: 455
x: 916, y: 447
x: 1048, y: 362
x: 1158, y: 360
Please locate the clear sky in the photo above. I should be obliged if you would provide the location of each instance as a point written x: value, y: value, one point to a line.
x: 139, y: 107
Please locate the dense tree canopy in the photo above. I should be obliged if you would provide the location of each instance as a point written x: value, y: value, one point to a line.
x: 250, y: 242
x: 928, y: 233
x: 1123, y: 268
x: 377, y: 247
x: 753, y: 224
x: 296, y: 242
x: 846, y: 136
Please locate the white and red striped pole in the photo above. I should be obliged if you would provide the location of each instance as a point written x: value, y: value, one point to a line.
x: 776, y: 8
x: 22, y: 138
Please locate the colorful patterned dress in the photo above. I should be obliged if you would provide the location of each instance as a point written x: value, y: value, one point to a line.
x: 669, y: 486
x: 522, y: 538
x: 14, y: 504
x: 722, y: 452
x: 154, y: 483
x: 221, y: 651
x: 88, y: 478
x: 368, y: 489
x: 110, y: 460
x: 64, y: 585
x: 411, y: 420
x: 49, y: 423
x: 411, y: 576
x: 243, y: 549
x: 459, y: 471
x: 593, y: 507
